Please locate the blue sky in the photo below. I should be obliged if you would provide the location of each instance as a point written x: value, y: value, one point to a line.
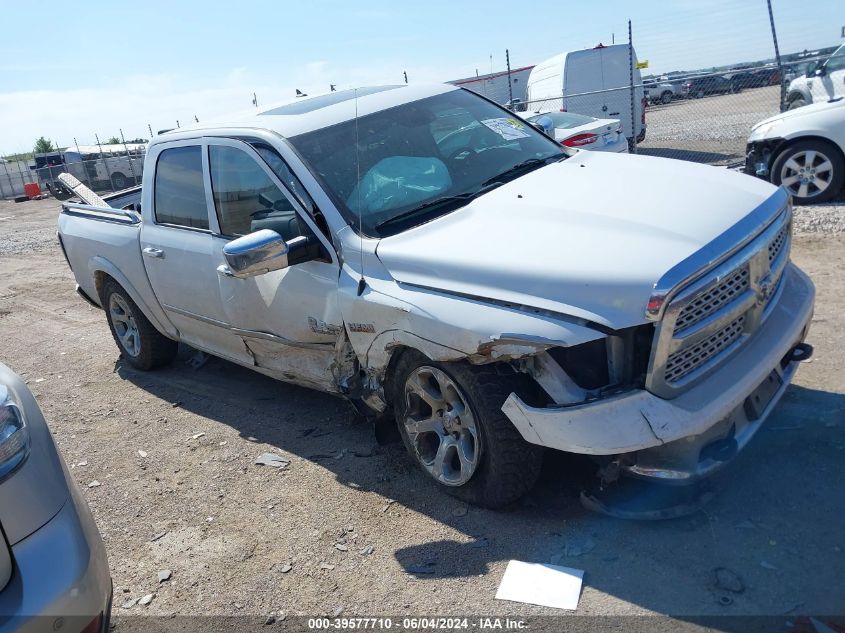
x: 97, y: 66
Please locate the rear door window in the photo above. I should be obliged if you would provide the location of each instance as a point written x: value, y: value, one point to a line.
x: 179, y: 189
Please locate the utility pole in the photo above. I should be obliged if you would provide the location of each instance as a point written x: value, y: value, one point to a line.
x: 777, y: 54
x: 405, y: 72
x: 633, y: 141
x: 255, y: 99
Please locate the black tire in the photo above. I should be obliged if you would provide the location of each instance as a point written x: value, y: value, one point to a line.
x: 796, y: 102
x: 666, y: 98
x: 153, y: 348
x: 508, y: 466
x: 119, y: 181
x: 699, y: 94
x: 830, y: 152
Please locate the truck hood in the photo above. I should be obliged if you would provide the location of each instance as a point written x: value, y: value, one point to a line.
x: 588, y: 236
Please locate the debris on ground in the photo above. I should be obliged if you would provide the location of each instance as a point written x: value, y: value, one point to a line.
x: 142, y: 453
x: 326, y: 566
x: 164, y: 575
x: 767, y: 565
x: 366, y: 551
x: 728, y: 580
x: 157, y: 536
x: 285, y: 568
x: 129, y: 604
x: 423, y: 568
x: 341, y: 547
x: 146, y: 599
x: 272, y: 460
x: 197, y: 436
x: 460, y: 511
x: 544, y: 585
x: 95, y: 484
x: 578, y: 546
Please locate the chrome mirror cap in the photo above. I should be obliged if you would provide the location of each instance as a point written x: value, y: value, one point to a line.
x: 256, y: 254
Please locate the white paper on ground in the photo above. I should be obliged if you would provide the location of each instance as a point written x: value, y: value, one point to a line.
x: 544, y: 585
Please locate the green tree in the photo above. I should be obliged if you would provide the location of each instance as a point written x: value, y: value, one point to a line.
x: 42, y: 146
x: 113, y: 141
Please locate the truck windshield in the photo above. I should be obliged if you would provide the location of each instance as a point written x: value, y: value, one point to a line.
x: 450, y: 147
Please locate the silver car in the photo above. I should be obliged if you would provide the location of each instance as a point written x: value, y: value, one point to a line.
x: 54, y: 574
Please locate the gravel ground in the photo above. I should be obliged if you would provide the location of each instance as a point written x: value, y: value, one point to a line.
x: 352, y: 527
x: 712, y: 130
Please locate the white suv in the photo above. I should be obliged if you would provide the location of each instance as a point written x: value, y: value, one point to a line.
x: 822, y: 82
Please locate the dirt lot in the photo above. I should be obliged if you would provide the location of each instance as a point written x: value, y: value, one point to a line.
x: 246, y: 539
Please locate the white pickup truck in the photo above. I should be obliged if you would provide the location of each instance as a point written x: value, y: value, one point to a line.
x: 421, y: 252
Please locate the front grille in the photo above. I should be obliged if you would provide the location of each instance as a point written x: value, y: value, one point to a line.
x: 688, y: 360
x: 708, y: 317
x: 710, y: 301
x: 777, y: 244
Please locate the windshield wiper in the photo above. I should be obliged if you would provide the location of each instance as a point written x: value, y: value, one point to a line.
x: 526, y: 165
x: 439, y: 203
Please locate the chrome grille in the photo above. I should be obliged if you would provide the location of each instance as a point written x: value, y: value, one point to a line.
x: 705, y: 317
x: 777, y: 244
x: 687, y: 360
x: 711, y: 300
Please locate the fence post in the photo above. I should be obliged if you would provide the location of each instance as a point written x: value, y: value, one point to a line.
x: 633, y: 145
x: 129, y: 158
x: 105, y: 164
x: 510, y: 86
x: 777, y: 55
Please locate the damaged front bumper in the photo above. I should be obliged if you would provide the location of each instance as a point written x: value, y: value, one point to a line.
x: 690, y: 436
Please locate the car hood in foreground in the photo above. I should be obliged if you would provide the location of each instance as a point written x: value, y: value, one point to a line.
x: 803, y: 111
x: 588, y: 236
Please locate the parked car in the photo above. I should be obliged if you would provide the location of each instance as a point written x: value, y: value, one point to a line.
x: 53, y: 569
x: 582, y: 132
x: 802, y: 150
x: 660, y: 92
x: 697, y: 87
x: 595, y: 82
x: 423, y: 253
x: 822, y: 80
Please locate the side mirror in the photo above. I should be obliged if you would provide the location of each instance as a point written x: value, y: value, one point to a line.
x: 820, y: 71
x: 255, y: 254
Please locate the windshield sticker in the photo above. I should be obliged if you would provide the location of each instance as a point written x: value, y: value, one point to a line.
x: 508, y: 128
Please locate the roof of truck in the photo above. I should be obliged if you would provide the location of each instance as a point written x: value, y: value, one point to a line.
x: 306, y: 114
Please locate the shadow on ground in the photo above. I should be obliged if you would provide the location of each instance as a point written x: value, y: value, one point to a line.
x: 755, y: 526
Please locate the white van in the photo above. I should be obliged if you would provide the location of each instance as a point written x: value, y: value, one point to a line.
x: 596, y: 82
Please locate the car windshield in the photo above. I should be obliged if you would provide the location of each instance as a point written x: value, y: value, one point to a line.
x: 565, y: 120
x: 447, y: 148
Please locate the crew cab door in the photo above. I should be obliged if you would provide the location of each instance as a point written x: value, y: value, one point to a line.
x: 288, y: 319
x: 179, y: 251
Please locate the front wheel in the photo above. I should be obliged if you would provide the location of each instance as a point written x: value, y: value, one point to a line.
x: 142, y: 345
x: 666, y: 98
x: 798, y: 102
x: 450, y: 419
x: 812, y: 171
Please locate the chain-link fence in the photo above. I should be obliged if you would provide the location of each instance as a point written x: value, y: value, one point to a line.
x: 103, y: 168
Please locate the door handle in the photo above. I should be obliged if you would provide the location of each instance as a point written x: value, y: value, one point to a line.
x: 149, y: 251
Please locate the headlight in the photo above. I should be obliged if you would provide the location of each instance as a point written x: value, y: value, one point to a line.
x: 14, y: 435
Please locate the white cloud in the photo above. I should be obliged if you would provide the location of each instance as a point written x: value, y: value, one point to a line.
x: 161, y: 99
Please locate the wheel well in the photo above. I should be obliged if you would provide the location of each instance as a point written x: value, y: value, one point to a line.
x: 100, y: 281
x: 790, y: 142
x: 795, y: 94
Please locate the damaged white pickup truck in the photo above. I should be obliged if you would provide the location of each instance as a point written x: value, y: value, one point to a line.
x: 419, y: 251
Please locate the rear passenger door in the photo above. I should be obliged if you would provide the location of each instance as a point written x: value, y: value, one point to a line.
x: 178, y: 250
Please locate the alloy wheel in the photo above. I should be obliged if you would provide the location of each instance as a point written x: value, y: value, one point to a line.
x: 441, y: 426
x: 124, y: 325
x: 806, y: 174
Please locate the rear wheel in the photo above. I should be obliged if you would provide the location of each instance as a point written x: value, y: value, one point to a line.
x: 141, y: 344
x: 450, y: 419
x: 119, y: 181
x: 812, y: 171
x: 666, y: 97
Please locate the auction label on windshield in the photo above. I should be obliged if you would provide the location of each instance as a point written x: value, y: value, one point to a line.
x: 508, y: 128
